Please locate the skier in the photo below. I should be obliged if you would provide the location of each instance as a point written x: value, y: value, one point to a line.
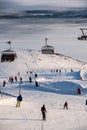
x: 16, y: 78
x: 35, y: 75
x: 18, y: 73
x: 30, y: 79
x: 19, y: 100
x: 11, y: 79
x: 78, y: 91
x: 59, y: 71
x: 56, y: 70
x: 80, y: 77
x: 20, y: 80
x: 36, y: 83
x: 71, y: 70
x: 86, y: 105
x: 65, y: 105
x: 86, y: 102
x: 43, y: 110
x: 4, y: 83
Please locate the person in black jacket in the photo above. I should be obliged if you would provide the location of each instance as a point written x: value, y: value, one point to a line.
x: 30, y: 79
x: 43, y: 110
x: 19, y: 100
x: 65, y: 105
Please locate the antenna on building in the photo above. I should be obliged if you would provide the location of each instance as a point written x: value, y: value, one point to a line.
x: 46, y: 41
x: 9, y: 42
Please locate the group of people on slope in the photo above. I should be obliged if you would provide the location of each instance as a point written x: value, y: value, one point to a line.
x: 43, y: 108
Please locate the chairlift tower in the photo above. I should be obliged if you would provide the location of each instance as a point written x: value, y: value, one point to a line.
x: 46, y: 41
x: 9, y: 42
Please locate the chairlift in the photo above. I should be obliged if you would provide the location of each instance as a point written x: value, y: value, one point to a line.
x: 47, y: 49
x: 8, y: 55
x: 83, y: 36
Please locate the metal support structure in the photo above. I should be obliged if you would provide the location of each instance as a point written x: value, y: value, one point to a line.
x: 42, y: 127
x: 9, y: 42
x: 46, y: 41
x: 19, y: 89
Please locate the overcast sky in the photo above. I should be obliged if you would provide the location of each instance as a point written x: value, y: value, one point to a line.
x: 57, y: 3
x: 67, y: 3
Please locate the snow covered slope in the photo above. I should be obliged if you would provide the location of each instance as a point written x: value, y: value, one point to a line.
x: 36, y: 61
x: 58, y: 78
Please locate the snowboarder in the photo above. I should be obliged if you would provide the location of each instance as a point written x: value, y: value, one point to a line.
x: 65, y: 105
x: 43, y: 110
x: 19, y: 100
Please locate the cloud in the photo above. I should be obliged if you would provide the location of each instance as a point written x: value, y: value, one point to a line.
x: 45, y: 4
x: 62, y: 3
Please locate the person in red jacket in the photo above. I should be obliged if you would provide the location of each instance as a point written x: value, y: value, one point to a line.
x: 79, y: 91
x: 43, y: 110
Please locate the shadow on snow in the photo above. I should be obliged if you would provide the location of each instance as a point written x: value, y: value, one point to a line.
x: 61, y: 87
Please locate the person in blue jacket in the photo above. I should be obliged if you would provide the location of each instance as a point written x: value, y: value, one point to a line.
x: 19, y: 100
